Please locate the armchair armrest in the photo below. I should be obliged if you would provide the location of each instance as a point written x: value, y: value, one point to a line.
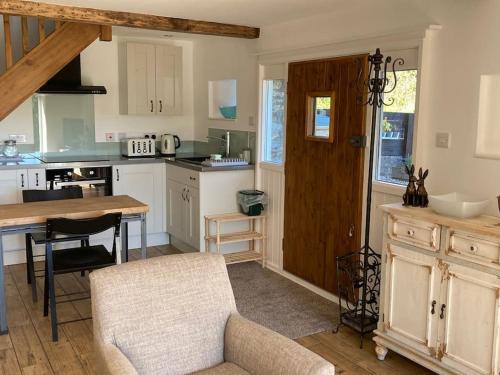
x: 259, y: 350
x: 111, y: 360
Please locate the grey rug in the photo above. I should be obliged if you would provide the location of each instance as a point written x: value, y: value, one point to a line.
x: 275, y: 302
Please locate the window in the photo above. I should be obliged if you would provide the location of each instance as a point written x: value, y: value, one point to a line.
x: 273, y: 120
x: 319, y: 126
x: 396, y: 124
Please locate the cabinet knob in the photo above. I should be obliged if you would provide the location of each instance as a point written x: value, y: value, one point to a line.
x: 117, y: 174
x: 410, y: 233
x: 433, y: 310
x: 192, y: 178
x: 152, y: 106
x: 443, y: 307
x: 36, y: 178
x: 22, y: 180
x: 473, y: 248
x: 161, y: 106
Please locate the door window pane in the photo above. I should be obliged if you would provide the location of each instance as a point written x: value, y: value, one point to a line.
x: 396, y: 124
x: 319, y: 126
x: 273, y: 120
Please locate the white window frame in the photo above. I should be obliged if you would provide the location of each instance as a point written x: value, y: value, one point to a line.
x: 412, y: 62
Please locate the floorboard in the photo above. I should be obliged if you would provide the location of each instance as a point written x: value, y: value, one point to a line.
x: 28, y: 348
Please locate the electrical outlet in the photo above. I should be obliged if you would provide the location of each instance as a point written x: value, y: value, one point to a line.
x: 443, y: 140
x: 110, y: 137
x: 19, y: 138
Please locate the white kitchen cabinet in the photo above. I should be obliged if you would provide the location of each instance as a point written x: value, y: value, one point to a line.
x: 412, y: 294
x: 191, y: 195
x: 440, y: 305
x: 183, y: 206
x: 146, y: 183
x: 152, y: 80
x: 469, y: 332
x: 36, y: 179
x: 12, y: 183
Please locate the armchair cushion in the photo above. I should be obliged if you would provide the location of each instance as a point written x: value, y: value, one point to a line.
x: 259, y: 350
x: 112, y: 361
x: 167, y: 314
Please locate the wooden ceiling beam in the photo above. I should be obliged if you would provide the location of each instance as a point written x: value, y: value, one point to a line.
x: 113, y: 18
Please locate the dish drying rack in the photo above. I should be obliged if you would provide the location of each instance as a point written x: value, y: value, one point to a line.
x: 224, y: 162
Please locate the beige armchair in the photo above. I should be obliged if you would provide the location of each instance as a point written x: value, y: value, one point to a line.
x: 176, y: 314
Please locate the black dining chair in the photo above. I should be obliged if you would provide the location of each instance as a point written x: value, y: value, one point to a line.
x: 75, y: 259
x: 38, y: 238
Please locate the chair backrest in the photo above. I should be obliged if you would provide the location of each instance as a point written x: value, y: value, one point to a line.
x: 52, y: 195
x: 166, y: 314
x: 88, y: 226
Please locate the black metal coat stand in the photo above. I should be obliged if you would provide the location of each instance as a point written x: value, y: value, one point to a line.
x: 358, y: 273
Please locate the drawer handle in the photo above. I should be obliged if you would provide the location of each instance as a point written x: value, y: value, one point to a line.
x: 443, y: 307
x: 433, y: 310
x: 192, y: 178
x: 410, y: 233
x: 473, y: 249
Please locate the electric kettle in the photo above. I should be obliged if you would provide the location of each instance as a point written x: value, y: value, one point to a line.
x: 169, y: 143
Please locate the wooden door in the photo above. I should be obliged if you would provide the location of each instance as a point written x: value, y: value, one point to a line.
x: 470, y: 324
x: 412, y: 304
x: 168, y: 80
x: 323, y: 179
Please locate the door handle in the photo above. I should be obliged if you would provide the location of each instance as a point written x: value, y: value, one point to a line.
x: 161, y: 106
x: 443, y: 307
x: 187, y: 196
x: 117, y: 174
x: 351, y: 230
x: 183, y: 191
x: 433, y: 310
x: 152, y: 104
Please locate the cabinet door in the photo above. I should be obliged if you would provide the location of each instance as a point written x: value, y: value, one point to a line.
x: 36, y: 179
x: 143, y: 182
x: 176, y: 209
x: 193, y: 217
x: 469, y: 329
x: 168, y: 80
x: 12, y: 183
x: 141, y: 83
x: 414, y: 281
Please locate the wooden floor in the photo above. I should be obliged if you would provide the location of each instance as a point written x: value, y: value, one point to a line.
x: 28, y: 348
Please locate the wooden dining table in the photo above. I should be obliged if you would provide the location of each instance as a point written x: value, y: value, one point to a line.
x: 31, y: 217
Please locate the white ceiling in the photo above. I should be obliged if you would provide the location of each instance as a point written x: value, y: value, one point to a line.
x: 256, y: 13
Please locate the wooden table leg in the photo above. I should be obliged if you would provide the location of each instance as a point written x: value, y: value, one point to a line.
x: 3, y: 306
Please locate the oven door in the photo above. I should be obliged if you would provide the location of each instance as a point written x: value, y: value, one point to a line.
x: 90, y: 188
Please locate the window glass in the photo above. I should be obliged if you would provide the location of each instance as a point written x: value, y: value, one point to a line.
x: 319, y: 126
x: 273, y: 120
x: 396, y: 124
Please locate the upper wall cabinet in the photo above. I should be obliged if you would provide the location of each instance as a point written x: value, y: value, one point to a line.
x: 151, y: 80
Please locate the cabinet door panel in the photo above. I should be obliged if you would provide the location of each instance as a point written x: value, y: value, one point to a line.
x: 36, y: 179
x: 169, y: 80
x: 176, y: 208
x: 143, y: 182
x: 471, y: 330
x: 12, y: 183
x: 141, y: 78
x: 414, y: 284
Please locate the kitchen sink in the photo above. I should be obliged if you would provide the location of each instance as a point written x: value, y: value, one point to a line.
x: 197, y: 160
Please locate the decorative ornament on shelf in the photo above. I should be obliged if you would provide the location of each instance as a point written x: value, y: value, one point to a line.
x: 416, y: 195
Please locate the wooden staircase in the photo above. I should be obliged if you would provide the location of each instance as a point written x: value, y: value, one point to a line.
x: 56, y: 44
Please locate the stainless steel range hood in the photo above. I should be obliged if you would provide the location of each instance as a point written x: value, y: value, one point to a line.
x: 69, y: 81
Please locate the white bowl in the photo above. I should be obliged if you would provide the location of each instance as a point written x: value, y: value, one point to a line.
x: 458, y: 205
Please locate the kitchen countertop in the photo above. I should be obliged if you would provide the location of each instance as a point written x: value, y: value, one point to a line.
x: 30, y: 161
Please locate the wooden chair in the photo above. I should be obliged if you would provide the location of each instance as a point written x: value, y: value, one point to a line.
x: 39, y: 238
x: 75, y: 259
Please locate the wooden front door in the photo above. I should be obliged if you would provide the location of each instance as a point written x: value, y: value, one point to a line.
x: 324, y: 176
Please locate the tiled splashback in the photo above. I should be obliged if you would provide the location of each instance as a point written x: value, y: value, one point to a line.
x: 239, y: 141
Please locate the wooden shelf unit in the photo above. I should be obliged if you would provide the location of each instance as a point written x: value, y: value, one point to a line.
x: 251, y: 236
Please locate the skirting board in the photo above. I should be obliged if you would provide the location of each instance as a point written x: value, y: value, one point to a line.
x: 19, y: 256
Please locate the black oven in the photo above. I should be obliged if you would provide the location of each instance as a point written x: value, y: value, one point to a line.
x: 94, y: 181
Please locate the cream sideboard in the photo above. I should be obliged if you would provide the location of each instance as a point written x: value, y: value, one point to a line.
x: 440, y: 291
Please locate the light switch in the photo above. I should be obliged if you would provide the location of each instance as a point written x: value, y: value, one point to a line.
x: 443, y: 140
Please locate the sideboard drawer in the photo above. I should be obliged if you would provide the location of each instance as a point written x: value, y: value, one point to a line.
x: 475, y: 249
x: 414, y: 232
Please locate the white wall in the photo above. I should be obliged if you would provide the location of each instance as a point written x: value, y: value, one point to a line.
x: 225, y: 58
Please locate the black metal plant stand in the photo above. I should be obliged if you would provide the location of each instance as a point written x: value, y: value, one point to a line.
x: 358, y: 273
